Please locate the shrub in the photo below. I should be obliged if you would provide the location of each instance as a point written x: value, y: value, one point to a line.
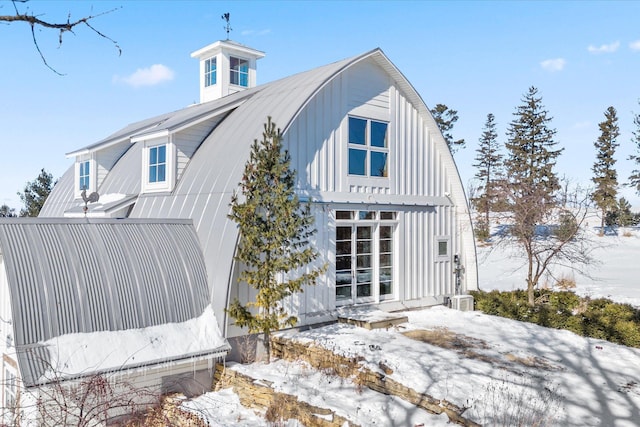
x: 596, y: 318
x: 481, y: 230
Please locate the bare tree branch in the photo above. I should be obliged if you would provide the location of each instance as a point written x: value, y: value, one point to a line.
x: 62, y: 27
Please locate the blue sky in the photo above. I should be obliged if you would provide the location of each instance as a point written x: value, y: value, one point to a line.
x: 476, y: 57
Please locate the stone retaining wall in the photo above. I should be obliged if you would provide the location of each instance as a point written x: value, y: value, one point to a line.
x: 350, y: 367
x: 278, y: 406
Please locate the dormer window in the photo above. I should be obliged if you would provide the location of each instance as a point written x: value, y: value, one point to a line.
x: 84, y: 175
x: 158, y: 163
x: 239, y: 72
x: 210, y: 72
x: 368, y: 147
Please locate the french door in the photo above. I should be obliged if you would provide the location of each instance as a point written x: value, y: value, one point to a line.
x: 364, y: 257
x: 354, y: 263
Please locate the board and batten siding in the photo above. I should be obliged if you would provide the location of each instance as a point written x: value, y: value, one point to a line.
x: 317, y: 141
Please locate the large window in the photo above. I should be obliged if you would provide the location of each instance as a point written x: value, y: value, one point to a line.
x: 158, y: 163
x: 368, y: 147
x: 239, y: 72
x: 364, y: 256
x: 84, y: 174
x: 210, y: 72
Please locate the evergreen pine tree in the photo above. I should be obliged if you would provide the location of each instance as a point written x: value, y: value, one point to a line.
x: 634, y: 178
x: 489, y: 163
x: 275, y: 229
x: 7, y: 212
x: 605, y: 177
x: 445, y: 119
x: 36, y: 193
x: 531, y: 181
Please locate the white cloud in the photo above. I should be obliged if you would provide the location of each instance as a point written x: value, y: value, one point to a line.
x: 605, y: 48
x: 582, y: 125
x: 552, y: 65
x: 634, y: 45
x: 256, y: 32
x: 150, y: 76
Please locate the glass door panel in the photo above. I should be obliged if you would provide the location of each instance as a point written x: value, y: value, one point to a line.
x: 344, y: 255
x: 364, y: 269
x: 385, y: 264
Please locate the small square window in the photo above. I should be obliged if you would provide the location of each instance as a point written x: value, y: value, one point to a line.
x: 443, y: 248
x: 239, y: 73
x: 366, y: 215
x: 378, y: 134
x: 357, y: 162
x: 357, y: 131
x: 387, y: 215
x: 378, y: 164
x: 344, y: 214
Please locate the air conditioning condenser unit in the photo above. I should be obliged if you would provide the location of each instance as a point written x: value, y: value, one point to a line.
x: 462, y: 302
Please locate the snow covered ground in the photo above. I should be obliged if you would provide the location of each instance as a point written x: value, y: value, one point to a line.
x: 615, y: 274
x: 516, y: 370
x: 504, y: 368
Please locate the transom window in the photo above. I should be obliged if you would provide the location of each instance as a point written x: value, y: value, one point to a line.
x: 210, y: 72
x: 158, y: 163
x: 84, y: 174
x: 364, y: 256
x: 368, y: 147
x: 239, y: 72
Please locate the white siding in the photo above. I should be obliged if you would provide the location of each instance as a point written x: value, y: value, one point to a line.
x: 317, y: 141
x: 187, y: 142
x: 105, y: 159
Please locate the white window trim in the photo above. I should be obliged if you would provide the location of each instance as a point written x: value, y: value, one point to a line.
x: 93, y: 175
x: 170, y: 172
x: 215, y: 59
x: 367, y: 180
x: 447, y: 240
x: 238, y: 72
x: 376, y: 297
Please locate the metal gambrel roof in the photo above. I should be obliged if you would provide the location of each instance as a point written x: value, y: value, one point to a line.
x: 70, y: 276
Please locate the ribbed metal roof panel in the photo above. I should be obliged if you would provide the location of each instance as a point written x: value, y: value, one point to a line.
x: 87, y: 275
x: 204, y: 192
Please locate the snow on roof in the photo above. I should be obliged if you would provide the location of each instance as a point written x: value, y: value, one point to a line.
x: 74, y: 355
x: 70, y: 279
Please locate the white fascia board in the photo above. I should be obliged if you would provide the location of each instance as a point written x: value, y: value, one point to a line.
x: 208, y: 116
x: 96, y: 148
x: 152, y: 135
x: 376, y: 199
x: 216, y: 47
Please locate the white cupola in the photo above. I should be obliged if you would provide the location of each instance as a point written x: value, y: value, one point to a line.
x: 226, y: 67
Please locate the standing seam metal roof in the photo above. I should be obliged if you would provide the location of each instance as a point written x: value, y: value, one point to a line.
x: 204, y: 191
x: 71, y: 276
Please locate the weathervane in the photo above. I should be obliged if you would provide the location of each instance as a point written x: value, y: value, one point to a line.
x: 227, y: 27
x: 92, y: 198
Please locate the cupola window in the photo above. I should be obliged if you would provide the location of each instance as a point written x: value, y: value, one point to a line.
x: 239, y: 73
x: 210, y: 72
